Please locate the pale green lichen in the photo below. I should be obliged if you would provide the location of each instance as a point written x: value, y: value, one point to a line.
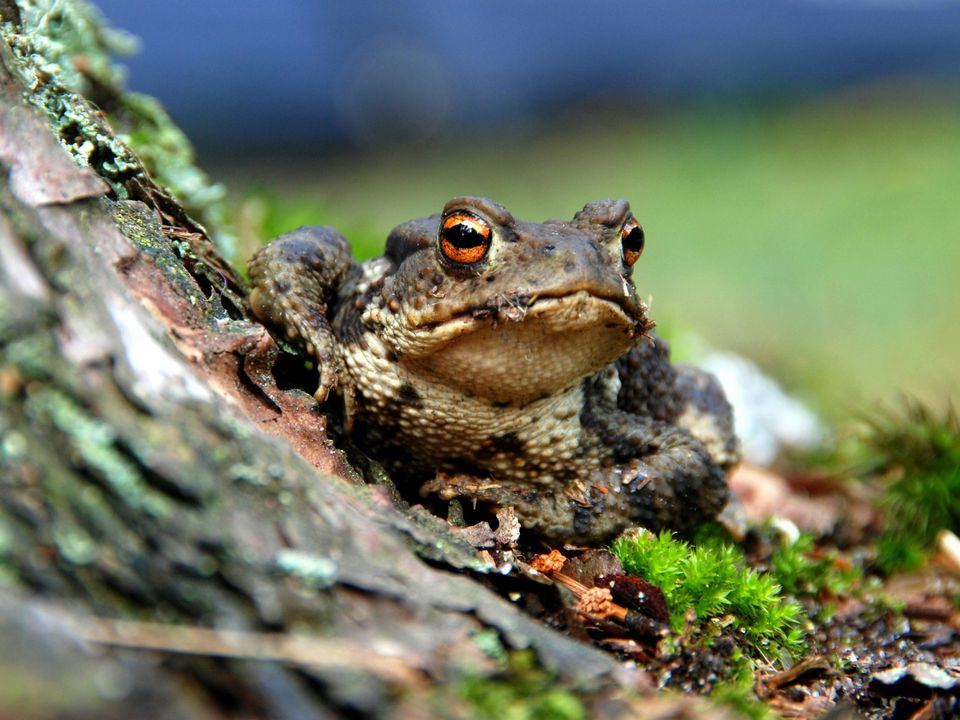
x: 6, y: 542
x: 206, y: 565
x: 247, y: 473
x: 317, y: 573
x: 31, y: 355
x: 74, y: 544
x: 62, y: 30
x: 64, y: 50
x: 94, y: 442
x: 13, y: 447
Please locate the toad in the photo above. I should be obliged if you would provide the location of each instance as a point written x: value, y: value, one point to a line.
x: 508, y: 363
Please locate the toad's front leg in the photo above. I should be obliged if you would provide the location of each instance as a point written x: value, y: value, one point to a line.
x: 296, y: 279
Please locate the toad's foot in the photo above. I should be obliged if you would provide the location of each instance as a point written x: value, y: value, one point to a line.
x: 448, y: 486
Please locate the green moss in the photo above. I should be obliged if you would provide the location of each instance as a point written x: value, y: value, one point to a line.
x: 315, y: 572
x: 740, y: 698
x: 898, y: 551
x: 711, y: 580
x: 524, y: 691
x: 803, y: 575
x: 915, y: 454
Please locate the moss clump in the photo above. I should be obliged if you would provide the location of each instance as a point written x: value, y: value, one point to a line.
x: 916, y: 454
x: 524, y: 691
x: 711, y: 582
x: 802, y: 574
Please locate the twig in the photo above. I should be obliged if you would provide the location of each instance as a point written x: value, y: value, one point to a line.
x: 308, y: 651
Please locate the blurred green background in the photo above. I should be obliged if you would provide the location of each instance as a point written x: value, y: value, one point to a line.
x: 819, y: 238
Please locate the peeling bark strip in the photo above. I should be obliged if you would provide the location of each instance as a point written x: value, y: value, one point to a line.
x: 145, y: 476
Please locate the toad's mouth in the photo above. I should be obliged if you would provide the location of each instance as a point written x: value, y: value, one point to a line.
x: 526, y: 348
x: 514, y: 307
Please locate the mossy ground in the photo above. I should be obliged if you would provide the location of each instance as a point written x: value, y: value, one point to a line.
x: 847, y: 609
x: 710, y: 583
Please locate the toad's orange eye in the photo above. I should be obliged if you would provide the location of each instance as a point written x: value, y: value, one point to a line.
x: 464, y: 238
x: 631, y: 241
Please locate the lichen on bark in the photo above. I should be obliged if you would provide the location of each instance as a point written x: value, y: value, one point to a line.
x: 66, y: 54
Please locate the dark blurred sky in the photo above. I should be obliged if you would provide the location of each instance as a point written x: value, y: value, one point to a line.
x: 306, y: 74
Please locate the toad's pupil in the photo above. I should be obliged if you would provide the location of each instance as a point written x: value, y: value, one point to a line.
x: 463, y: 236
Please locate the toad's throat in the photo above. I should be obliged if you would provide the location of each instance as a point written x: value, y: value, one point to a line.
x: 516, y: 354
